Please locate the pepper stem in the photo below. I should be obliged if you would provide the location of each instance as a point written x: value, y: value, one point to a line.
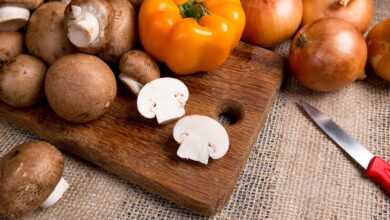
x: 193, y: 9
x: 344, y: 2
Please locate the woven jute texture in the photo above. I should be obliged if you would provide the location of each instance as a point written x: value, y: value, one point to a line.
x: 293, y: 172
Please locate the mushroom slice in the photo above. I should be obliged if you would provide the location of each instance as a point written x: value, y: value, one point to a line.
x: 200, y: 132
x: 12, y: 18
x: 164, y: 99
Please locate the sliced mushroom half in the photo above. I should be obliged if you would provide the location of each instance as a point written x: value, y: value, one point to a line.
x: 200, y: 137
x: 164, y: 99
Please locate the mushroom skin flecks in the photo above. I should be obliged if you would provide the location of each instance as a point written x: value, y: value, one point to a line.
x: 21, y: 81
x: 11, y: 45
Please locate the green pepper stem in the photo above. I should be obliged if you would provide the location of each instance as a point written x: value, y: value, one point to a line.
x: 193, y: 9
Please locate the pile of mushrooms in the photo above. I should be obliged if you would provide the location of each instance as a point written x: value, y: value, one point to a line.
x: 101, y: 27
x: 31, y: 177
x: 59, y: 55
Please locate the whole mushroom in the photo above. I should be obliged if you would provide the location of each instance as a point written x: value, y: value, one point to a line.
x: 11, y: 45
x: 30, y: 177
x: 21, y: 81
x: 200, y: 137
x: 137, y: 68
x: 104, y: 27
x: 80, y: 87
x: 14, y: 14
x: 164, y: 99
x: 45, y: 36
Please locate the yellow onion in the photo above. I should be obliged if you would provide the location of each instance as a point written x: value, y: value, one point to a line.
x: 378, y: 41
x: 357, y: 12
x: 328, y: 54
x: 270, y: 22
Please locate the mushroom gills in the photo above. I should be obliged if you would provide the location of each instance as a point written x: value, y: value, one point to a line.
x: 84, y: 29
x: 57, y: 193
x: 194, y: 148
x: 131, y: 83
x: 13, y: 18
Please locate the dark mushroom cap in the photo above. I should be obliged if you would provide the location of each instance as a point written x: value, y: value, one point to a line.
x: 21, y: 81
x: 45, y: 35
x: 139, y: 66
x: 80, y: 87
x: 28, y: 175
x: 11, y: 45
x: 121, y: 33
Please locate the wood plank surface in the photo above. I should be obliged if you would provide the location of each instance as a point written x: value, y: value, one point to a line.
x: 239, y: 93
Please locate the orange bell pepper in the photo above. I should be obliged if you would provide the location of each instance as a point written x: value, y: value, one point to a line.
x: 191, y: 35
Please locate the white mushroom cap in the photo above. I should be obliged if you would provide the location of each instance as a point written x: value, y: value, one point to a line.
x: 12, y: 18
x: 164, y: 99
x: 197, y: 134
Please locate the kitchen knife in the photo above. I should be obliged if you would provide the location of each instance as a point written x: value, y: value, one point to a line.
x: 375, y: 168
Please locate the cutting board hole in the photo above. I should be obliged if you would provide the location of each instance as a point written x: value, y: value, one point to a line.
x: 230, y: 113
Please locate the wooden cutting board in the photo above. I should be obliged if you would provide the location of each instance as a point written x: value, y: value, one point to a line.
x: 239, y: 94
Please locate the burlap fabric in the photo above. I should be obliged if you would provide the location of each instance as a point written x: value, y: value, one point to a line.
x: 293, y: 172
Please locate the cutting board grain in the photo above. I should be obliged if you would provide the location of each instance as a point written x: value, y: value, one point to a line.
x: 239, y: 94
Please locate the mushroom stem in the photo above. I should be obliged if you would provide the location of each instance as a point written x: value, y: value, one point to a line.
x: 169, y: 109
x: 13, y: 18
x: 84, y: 27
x: 131, y: 83
x: 194, y: 148
x: 344, y: 2
x: 57, y: 193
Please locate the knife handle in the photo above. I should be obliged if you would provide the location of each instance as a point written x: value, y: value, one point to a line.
x: 379, y: 171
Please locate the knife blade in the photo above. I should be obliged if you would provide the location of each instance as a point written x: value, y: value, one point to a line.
x: 375, y: 168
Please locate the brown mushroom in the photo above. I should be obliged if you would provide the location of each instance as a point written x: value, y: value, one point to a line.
x: 30, y: 177
x: 137, y: 68
x: 80, y: 87
x: 14, y: 14
x: 121, y: 37
x: 86, y: 24
x: 45, y: 36
x: 11, y: 45
x: 104, y: 27
x: 21, y: 81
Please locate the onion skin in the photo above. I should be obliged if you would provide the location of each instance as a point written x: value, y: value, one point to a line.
x: 270, y: 22
x: 327, y: 55
x: 357, y: 12
x: 378, y: 41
